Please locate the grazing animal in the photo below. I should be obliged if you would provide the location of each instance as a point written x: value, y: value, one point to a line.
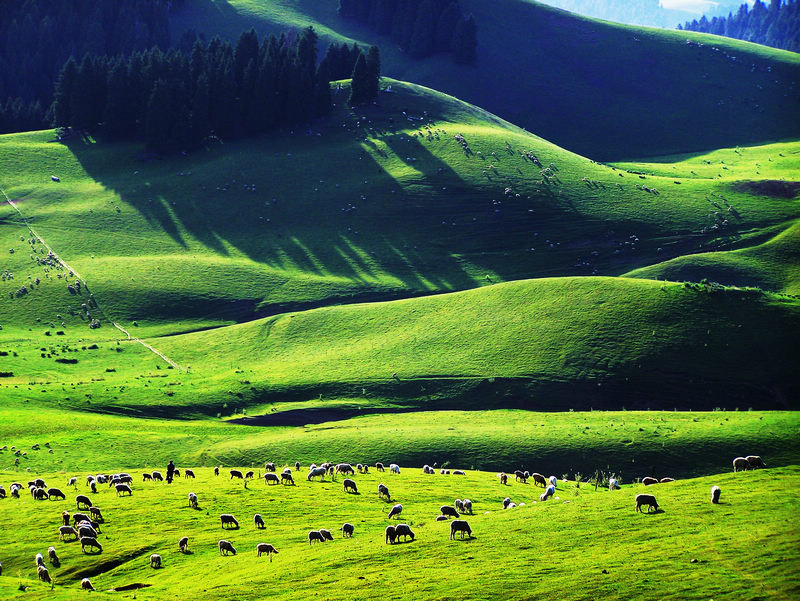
x: 216, y: 470
x: 715, y: 492
x: 226, y: 547
x: 317, y: 471
x: 395, y: 510
x: 269, y: 467
x: 90, y: 541
x: 394, y: 468
x: 467, y: 506
x: 383, y: 491
x: 93, y: 487
x: 390, y: 535
x: 755, y: 462
x: 345, y: 468
x: 459, y: 505
x: 506, y: 503
x: 66, y: 531
x: 96, y: 514
x: 459, y: 473
x: 350, y: 485
x: 539, y: 480
x: 519, y: 476
x: 504, y: 479
x: 65, y: 517
x: 227, y: 518
x: 379, y: 467
x: 53, y: 556
x: 157, y: 476
x: 442, y: 518
x: 740, y: 464
x: 146, y: 477
x: 86, y: 585
x: 258, y: 521
x: 404, y: 531
x: 39, y: 560
x: 613, y: 484
x: 73, y: 481
x: 447, y: 510
x: 192, y: 500
x: 2, y: 492
x: 122, y: 489
x: 271, y: 478
x: 648, y: 500
x: 286, y: 478
x: 459, y: 526
x: 183, y: 544
x: 84, y: 530
x: 40, y: 494
x: 266, y: 548
x: 155, y: 560
x: 665, y: 480
x: 249, y: 475
x: 347, y: 530
x: 83, y: 500
x: 297, y: 466
x: 77, y: 518
x: 553, y: 481
x: 315, y: 536
x: 444, y: 471
x: 326, y: 534
x: 44, y: 575
x: 237, y: 474
x: 188, y: 474
x: 647, y: 481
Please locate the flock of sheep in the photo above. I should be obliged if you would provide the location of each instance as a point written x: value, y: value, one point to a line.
x: 85, y: 524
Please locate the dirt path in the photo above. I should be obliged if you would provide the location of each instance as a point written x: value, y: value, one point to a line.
x: 83, y: 281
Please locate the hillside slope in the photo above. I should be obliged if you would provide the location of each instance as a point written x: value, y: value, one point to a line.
x: 421, y: 194
x: 604, y: 90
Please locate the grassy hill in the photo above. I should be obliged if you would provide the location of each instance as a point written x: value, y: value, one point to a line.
x: 604, y: 90
x: 747, y: 545
x: 423, y: 194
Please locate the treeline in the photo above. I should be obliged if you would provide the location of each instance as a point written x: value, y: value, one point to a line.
x: 420, y: 27
x: 776, y: 25
x: 37, y: 36
x: 175, y: 100
x: 635, y: 12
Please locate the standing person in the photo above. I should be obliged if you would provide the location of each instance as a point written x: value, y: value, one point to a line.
x: 170, y: 471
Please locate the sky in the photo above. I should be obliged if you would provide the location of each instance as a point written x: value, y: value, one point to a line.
x: 695, y: 6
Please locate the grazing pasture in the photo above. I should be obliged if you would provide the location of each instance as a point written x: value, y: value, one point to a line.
x: 580, y: 543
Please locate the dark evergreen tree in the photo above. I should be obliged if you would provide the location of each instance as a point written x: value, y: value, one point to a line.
x: 446, y: 27
x: 63, y: 93
x: 161, y: 116
x: 373, y: 73
x: 421, y: 43
x: 120, y: 116
x: 359, y: 86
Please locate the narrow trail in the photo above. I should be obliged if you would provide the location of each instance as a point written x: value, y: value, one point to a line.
x: 85, y: 285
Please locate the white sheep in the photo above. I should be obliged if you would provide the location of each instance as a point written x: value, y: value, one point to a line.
x: 44, y: 575
x: 51, y: 553
x: 266, y: 548
x: 183, y: 544
x: 86, y: 585
x: 613, y: 484
x: 192, y: 500
x: 467, y: 506
x: 715, y: 492
x: 155, y: 560
x: 395, y: 510
x: 226, y: 547
x: 73, y: 481
x: 553, y: 481
x: 39, y: 560
x: 394, y: 468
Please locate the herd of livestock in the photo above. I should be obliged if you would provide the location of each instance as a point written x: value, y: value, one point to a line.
x: 85, y: 525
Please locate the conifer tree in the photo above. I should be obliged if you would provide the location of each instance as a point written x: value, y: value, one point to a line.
x: 359, y: 86
x: 465, y: 41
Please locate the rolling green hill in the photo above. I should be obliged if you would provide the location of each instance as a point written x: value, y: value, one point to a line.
x: 424, y: 194
x: 604, y: 90
x: 691, y: 549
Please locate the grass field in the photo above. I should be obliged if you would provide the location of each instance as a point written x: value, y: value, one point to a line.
x: 604, y: 90
x: 579, y: 544
x: 630, y: 443
x: 177, y: 245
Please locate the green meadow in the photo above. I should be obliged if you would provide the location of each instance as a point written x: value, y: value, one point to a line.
x: 583, y: 542
x: 422, y: 281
